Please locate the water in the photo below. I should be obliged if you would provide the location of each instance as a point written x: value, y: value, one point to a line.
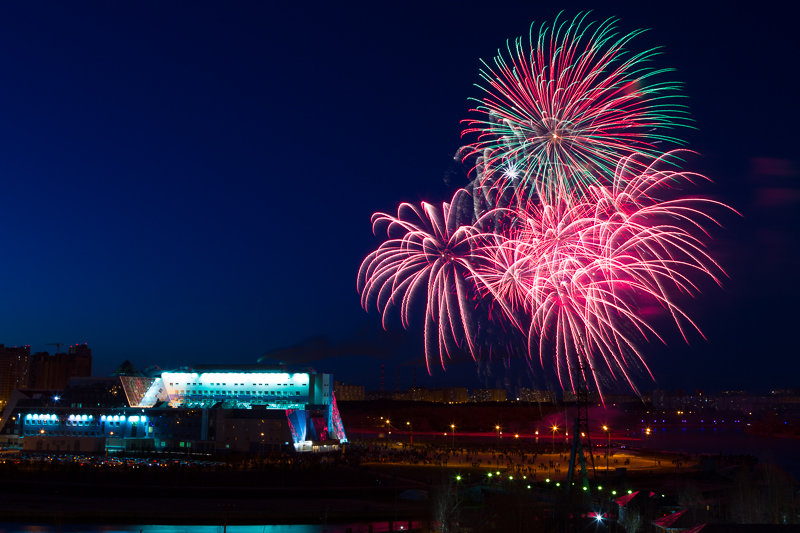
x: 86, y: 528
x: 767, y: 449
x: 377, y: 527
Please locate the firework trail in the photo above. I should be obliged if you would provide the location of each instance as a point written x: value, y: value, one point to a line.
x: 428, y: 254
x: 560, y: 111
x: 581, y: 271
x: 571, y: 225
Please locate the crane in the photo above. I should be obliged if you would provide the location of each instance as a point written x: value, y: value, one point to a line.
x: 56, y: 344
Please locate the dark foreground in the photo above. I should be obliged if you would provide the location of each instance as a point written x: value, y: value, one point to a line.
x: 433, y: 488
x: 277, y: 494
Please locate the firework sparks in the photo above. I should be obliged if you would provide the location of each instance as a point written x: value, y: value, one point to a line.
x: 561, y: 111
x: 572, y: 225
x: 428, y: 252
x: 582, y: 270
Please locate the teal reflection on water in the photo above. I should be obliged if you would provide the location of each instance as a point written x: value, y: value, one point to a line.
x: 78, y: 528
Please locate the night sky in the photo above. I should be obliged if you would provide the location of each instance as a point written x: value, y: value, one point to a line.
x: 190, y: 183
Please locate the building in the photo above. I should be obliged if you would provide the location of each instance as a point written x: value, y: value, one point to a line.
x: 13, y: 371
x: 570, y: 396
x: 489, y: 395
x: 54, y: 371
x: 208, y: 409
x: 535, y: 396
x: 346, y: 392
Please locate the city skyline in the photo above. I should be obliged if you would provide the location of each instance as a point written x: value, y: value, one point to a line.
x: 195, y: 184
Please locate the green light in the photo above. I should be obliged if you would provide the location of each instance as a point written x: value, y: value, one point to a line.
x: 613, y: 493
x: 600, y: 487
x: 529, y: 486
x: 490, y: 474
x: 458, y: 478
x: 585, y: 488
x: 547, y: 480
x: 498, y: 472
x: 558, y: 484
x: 630, y: 491
x: 510, y: 477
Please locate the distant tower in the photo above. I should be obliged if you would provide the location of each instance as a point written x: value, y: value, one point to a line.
x: 581, y: 445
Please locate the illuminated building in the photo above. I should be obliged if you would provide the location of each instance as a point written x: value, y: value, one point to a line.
x: 346, y: 392
x: 489, y: 395
x: 13, y: 370
x: 538, y: 396
x: 247, y: 409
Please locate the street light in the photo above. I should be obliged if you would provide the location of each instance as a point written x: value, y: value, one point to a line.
x: 497, y: 430
x: 411, y: 433
x: 554, y: 428
x: 608, y: 444
x: 453, y: 427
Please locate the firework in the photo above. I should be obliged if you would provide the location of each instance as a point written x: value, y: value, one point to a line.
x: 583, y: 270
x: 560, y: 111
x: 575, y: 221
x: 428, y: 255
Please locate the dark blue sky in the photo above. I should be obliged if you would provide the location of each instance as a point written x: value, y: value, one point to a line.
x: 192, y: 183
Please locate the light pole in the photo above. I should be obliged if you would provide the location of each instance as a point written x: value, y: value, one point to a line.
x: 453, y: 428
x: 608, y: 445
x: 554, y: 428
x: 497, y: 430
x: 411, y: 433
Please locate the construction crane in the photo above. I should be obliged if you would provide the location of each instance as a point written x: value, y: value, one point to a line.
x: 56, y: 344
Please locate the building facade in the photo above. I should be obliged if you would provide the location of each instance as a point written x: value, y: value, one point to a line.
x: 14, y: 364
x: 203, y: 410
x: 54, y: 371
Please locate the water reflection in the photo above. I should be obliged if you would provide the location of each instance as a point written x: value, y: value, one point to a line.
x: 299, y: 528
x: 376, y: 527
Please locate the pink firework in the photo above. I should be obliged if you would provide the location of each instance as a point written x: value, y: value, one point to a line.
x: 571, y: 229
x: 429, y: 254
x: 560, y: 110
x: 583, y: 270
